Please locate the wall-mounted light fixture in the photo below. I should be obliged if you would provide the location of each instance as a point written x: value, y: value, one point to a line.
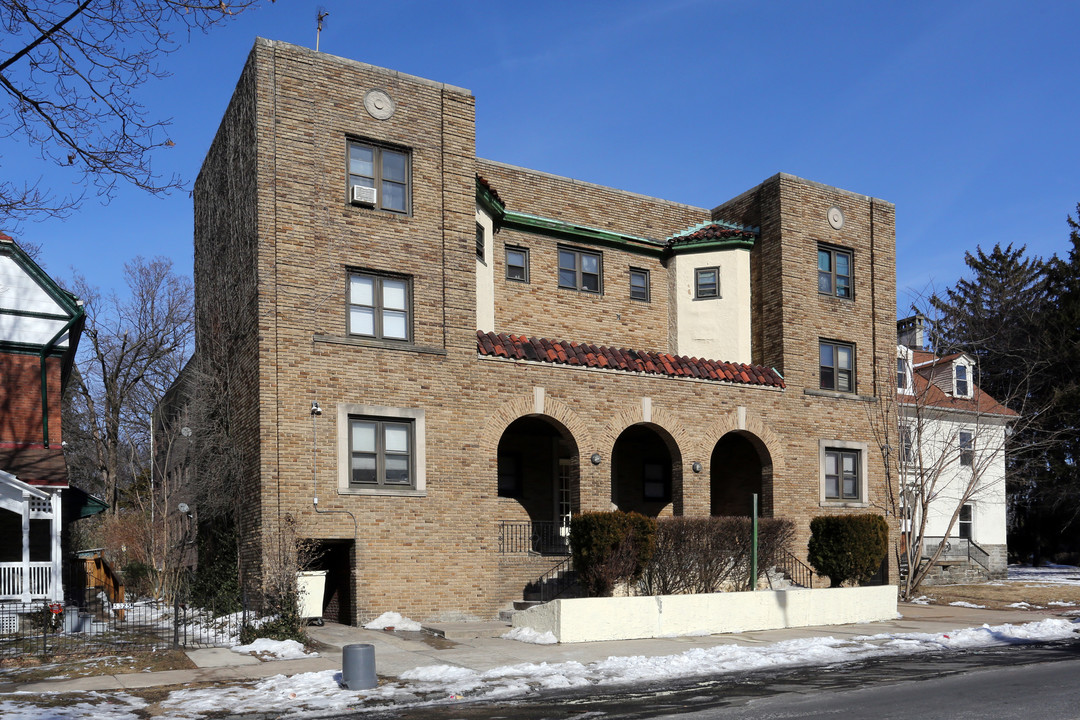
x: 696, y: 466
x: 315, y: 409
x: 595, y: 459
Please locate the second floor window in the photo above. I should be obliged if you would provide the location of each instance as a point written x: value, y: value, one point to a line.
x: 480, y: 242
x: 517, y: 264
x: 706, y: 283
x: 385, y: 170
x: 834, y: 272
x: 837, y: 361
x: 579, y: 270
x: 639, y: 284
x: 378, y: 306
x: 967, y: 449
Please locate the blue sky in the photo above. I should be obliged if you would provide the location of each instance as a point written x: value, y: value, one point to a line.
x: 963, y: 114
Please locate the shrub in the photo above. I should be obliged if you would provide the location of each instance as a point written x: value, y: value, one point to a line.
x: 848, y: 547
x: 610, y: 547
x: 140, y: 579
x: 704, y: 555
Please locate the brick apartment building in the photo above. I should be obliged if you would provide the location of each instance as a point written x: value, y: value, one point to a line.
x: 494, y: 349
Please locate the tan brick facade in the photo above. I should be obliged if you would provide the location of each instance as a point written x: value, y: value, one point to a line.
x: 276, y: 240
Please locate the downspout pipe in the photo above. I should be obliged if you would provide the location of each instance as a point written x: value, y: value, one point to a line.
x: 80, y: 313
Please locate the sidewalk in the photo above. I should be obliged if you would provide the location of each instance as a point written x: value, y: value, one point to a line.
x: 479, y: 647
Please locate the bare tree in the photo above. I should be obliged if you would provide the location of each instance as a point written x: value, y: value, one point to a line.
x: 133, y: 350
x: 70, y: 70
x: 943, y: 443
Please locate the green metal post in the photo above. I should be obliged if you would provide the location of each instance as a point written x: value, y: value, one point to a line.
x: 753, y: 547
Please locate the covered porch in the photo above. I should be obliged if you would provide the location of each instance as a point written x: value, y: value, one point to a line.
x: 30, y: 542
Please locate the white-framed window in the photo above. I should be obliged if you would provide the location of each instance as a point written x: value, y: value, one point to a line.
x: 907, y: 450
x: 965, y: 523
x: 379, y: 306
x: 706, y: 283
x: 842, y: 471
x: 966, y: 443
x: 962, y: 380
x: 383, y: 169
x: 381, y: 450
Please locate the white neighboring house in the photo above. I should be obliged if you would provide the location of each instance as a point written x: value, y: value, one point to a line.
x: 40, y: 325
x: 952, y: 460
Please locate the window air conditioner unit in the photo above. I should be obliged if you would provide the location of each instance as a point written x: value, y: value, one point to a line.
x: 363, y: 195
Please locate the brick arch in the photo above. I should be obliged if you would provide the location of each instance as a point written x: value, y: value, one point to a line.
x: 524, y: 406
x: 729, y: 422
x: 661, y: 418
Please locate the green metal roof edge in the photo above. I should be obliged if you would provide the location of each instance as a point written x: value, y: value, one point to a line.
x: 706, y: 245
x: 19, y: 348
x: 581, y: 233
x: 489, y: 202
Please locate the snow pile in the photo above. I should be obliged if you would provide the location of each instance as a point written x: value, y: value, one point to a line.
x: 961, y: 603
x: 921, y: 600
x: 1052, y: 574
x: 528, y: 635
x: 392, y: 621
x: 321, y: 691
x: 115, y: 706
x: 278, y: 649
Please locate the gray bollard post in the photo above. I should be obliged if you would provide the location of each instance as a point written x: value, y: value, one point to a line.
x: 358, y: 666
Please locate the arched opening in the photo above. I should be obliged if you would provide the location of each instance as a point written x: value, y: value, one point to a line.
x: 646, y: 471
x: 538, y: 467
x: 740, y: 467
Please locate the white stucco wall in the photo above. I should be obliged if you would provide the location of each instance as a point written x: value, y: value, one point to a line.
x: 713, y: 328
x: 19, y: 291
x: 485, y: 276
x: 598, y: 619
x: 938, y: 436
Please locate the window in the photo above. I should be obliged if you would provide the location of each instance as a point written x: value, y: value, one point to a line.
x: 517, y: 264
x: 841, y: 474
x: 655, y: 481
x: 381, y: 451
x: 579, y: 270
x: 901, y: 374
x: 706, y: 283
x: 837, y: 361
x: 480, y: 241
x: 378, y: 306
x: 639, y: 284
x: 907, y: 454
x: 962, y: 381
x: 385, y: 170
x: 967, y: 448
x: 965, y: 523
x: 510, y: 475
x: 834, y: 272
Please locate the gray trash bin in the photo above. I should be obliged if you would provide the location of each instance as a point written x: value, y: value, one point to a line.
x: 358, y: 666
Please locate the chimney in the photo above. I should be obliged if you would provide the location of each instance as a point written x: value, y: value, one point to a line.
x: 911, y: 332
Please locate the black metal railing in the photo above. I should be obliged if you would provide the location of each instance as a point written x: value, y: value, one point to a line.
x: 956, y: 550
x: 555, y: 581
x: 543, y: 538
x: 797, y: 571
x: 43, y: 628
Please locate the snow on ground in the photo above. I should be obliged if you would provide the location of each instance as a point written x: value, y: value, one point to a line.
x: 528, y: 635
x: 279, y: 649
x: 440, y: 684
x: 392, y: 621
x: 961, y: 603
x: 115, y: 706
x: 1051, y: 574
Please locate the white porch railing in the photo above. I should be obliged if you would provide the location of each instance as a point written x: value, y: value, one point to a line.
x: 13, y: 580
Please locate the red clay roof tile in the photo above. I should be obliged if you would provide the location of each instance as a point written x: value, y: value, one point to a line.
x: 561, y: 352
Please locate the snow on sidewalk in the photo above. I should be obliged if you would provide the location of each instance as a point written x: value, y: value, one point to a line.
x: 439, y: 684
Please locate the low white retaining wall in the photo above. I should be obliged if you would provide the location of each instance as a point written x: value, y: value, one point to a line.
x: 625, y: 618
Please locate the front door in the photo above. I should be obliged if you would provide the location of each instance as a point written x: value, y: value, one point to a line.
x: 562, y: 498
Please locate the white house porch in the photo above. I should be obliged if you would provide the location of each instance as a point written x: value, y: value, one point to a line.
x: 30, y: 554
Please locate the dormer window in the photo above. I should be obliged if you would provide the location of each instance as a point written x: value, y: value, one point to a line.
x: 961, y: 383
x: 903, y: 375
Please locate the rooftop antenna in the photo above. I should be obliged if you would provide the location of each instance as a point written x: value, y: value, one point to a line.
x: 320, y: 15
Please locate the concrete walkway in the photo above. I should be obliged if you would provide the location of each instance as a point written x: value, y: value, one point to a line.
x: 478, y: 646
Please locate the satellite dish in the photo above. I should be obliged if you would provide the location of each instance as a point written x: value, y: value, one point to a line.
x: 183, y: 507
x: 185, y: 431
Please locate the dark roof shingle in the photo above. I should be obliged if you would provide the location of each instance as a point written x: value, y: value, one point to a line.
x: 561, y: 352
